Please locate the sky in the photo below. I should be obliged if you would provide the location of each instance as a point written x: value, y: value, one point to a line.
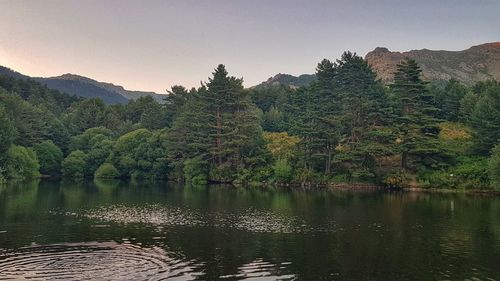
x: 152, y: 45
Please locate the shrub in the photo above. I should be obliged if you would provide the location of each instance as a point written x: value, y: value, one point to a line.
x: 106, y: 171
x: 74, y: 165
x: 283, y: 171
x: 469, y: 173
x: 50, y: 157
x: 21, y: 163
x: 195, y: 171
x: 494, y: 167
x: 399, y: 178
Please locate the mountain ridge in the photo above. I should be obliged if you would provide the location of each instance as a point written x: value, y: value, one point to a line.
x: 85, y: 87
x: 477, y: 63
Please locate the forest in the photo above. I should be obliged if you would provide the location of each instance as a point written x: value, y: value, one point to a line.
x: 345, y: 127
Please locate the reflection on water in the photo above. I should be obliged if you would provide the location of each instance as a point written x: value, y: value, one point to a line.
x: 112, y: 230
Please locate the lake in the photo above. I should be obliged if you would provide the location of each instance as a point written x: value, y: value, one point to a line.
x: 116, y: 230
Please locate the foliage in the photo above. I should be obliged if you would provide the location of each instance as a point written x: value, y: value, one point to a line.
x: 456, y: 137
x: 21, y: 163
x: 219, y: 124
x: 89, y: 113
x: 283, y: 171
x: 448, y: 99
x: 281, y: 145
x: 469, y: 173
x: 106, y: 171
x: 485, y: 118
x: 140, y: 154
x: 50, y: 157
x: 7, y: 132
x: 345, y: 126
x: 195, y: 171
x: 494, y: 167
x: 74, y: 165
x: 417, y: 126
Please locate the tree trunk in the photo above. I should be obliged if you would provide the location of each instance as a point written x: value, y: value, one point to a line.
x: 404, y: 160
x: 218, y: 137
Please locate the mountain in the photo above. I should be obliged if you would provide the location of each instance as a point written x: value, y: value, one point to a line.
x: 288, y: 80
x: 109, y: 87
x: 84, y: 87
x: 477, y: 63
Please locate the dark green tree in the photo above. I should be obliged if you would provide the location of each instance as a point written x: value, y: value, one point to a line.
x: 74, y: 165
x: 494, y: 167
x: 7, y: 132
x: 21, y: 163
x: 174, y: 101
x: 485, y: 119
x: 50, y: 157
x: 218, y: 123
x: 362, y: 117
x: 416, y: 125
x: 448, y: 99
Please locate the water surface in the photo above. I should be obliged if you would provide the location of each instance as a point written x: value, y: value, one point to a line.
x: 111, y: 230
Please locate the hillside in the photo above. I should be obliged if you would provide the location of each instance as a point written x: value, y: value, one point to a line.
x: 288, y: 80
x: 477, y: 63
x: 84, y: 87
x: 109, y: 87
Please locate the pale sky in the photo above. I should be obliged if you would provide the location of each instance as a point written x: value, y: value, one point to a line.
x: 152, y: 45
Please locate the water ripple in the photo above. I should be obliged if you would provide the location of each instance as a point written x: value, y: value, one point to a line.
x: 93, y: 261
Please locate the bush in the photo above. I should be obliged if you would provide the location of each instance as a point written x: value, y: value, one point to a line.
x: 106, y: 171
x: 397, y: 179
x: 195, y: 171
x: 469, y: 173
x: 494, y: 167
x: 74, y: 165
x: 50, y: 157
x: 437, y: 179
x: 283, y: 171
x: 21, y: 163
x: 3, y: 178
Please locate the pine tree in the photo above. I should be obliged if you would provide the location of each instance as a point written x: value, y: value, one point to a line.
x: 417, y: 127
x: 220, y: 124
x: 362, y: 116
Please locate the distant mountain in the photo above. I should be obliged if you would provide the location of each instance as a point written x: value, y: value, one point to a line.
x: 85, y: 87
x: 288, y: 80
x: 477, y: 63
x: 109, y: 87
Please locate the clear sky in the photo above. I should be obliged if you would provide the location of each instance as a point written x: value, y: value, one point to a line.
x: 152, y: 45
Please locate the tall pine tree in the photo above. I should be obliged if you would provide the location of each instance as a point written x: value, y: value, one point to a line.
x: 416, y: 125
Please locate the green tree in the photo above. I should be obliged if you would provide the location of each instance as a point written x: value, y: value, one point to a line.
x: 50, y: 157
x: 195, y: 171
x: 175, y: 100
x: 89, y: 113
x: 106, y: 171
x: 312, y: 114
x: 494, y: 167
x: 273, y: 120
x: 31, y: 122
x: 362, y: 118
x: 416, y: 125
x: 7, y: 133
x: 21, y: 163
x: 220, y: 124
x: 74, y: 165
x: 283, y: 171
x: 448, y: 99
x: 141, y: 154
x: 485, y: 119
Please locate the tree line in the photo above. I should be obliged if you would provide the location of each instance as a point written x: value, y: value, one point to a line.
x: 345, y: 127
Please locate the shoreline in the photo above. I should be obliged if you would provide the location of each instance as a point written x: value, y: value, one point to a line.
x: 331, y: 186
